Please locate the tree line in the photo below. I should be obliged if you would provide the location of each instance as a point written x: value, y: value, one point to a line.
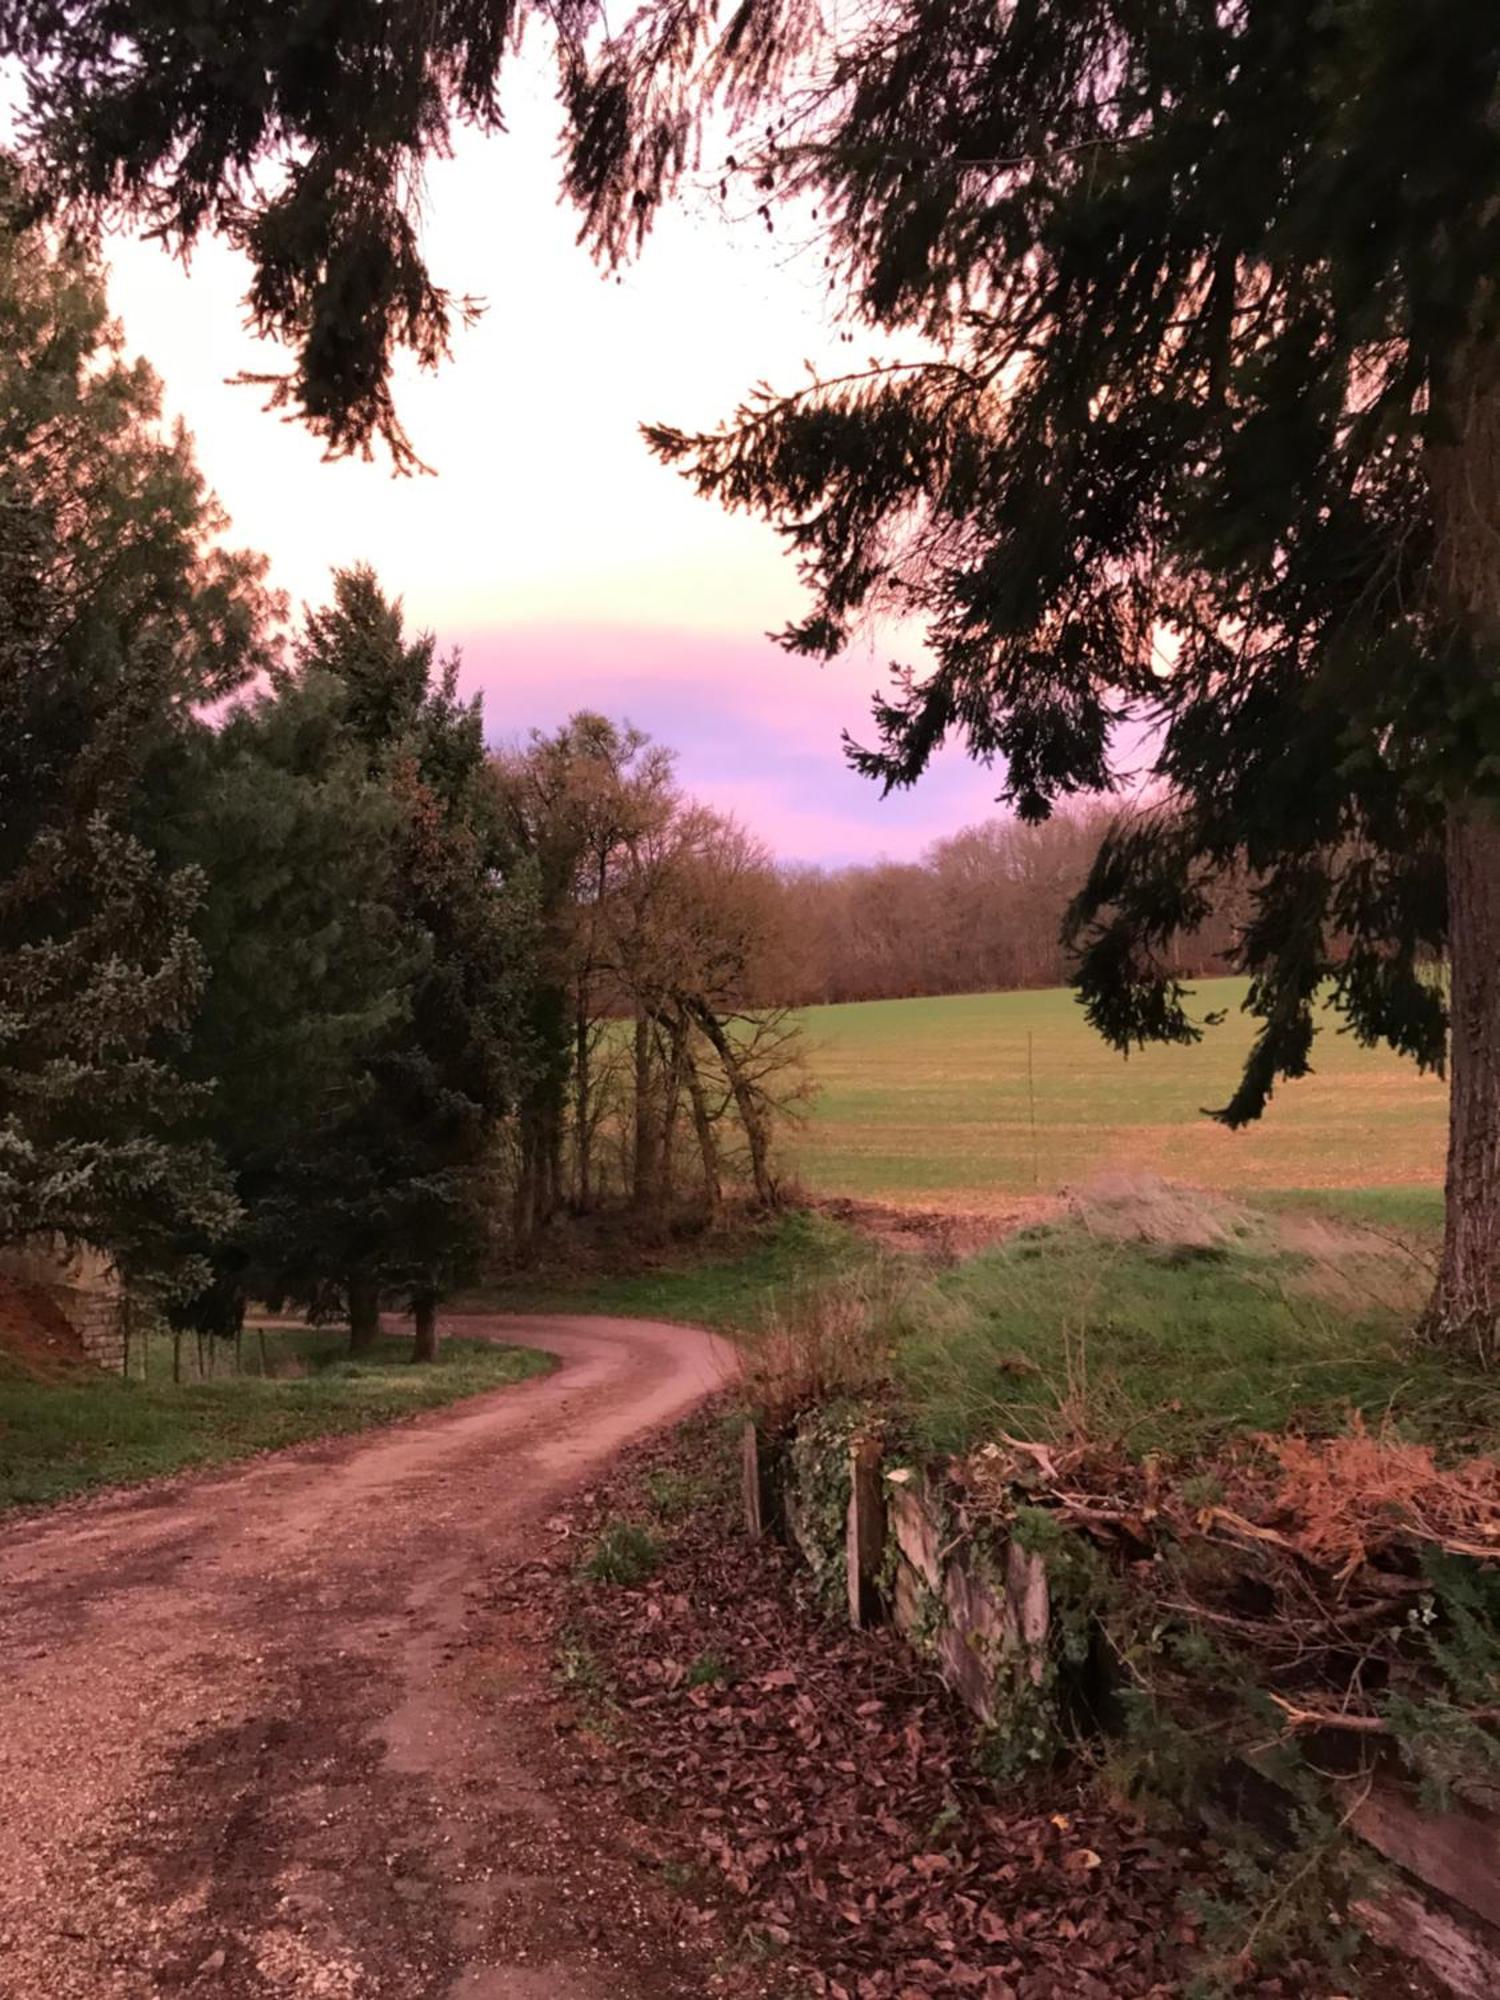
x: 983, y: 910
x: 305, y: 995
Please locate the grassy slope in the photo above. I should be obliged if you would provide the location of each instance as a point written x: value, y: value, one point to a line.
x: 1159, y: 1344
x: 927, y: 1101
x: 73, y: 1434
x: 1171, y: 1347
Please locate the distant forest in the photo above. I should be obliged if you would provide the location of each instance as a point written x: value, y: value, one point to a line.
x: 981, y: 911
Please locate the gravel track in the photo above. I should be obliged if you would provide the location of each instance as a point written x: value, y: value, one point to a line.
x: 266, y: 1733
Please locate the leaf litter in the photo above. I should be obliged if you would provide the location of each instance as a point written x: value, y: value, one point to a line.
x: 814, y: 1790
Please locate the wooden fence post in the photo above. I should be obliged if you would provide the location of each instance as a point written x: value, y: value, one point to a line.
x: 750, y: 1481
x: 865, y: 1534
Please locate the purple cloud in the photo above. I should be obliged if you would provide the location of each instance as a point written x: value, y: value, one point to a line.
x: 757, y: 732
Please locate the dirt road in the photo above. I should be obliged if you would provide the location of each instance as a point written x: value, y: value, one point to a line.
x: 266, y: 1733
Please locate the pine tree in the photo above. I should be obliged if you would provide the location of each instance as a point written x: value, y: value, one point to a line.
x: 117, y: 618
x: 1200, y: 432
x: 307, y: 957
x: 389, y: 1187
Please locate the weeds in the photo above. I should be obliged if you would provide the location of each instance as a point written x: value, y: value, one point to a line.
x: 674, y: 1494
x: 578, y: 1667
x: 626, y: 1554
x: 836, y: 1341
x: 1078, y: 1332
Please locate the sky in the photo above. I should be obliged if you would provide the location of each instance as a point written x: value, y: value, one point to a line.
x: 570, y: 568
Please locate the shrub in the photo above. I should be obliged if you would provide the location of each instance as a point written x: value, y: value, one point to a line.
x: 834, y: 1341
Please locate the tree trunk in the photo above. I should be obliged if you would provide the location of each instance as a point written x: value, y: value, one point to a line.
x: 708, y: 1149
x: 424, y: 1315
x: 583, y: 1140
x: 751, y: 1115
x: 523, y: 1206
x: 553, y: 1178
x: 1464, y: 469
x: 646, y: 1176
x: 674, y: 1063
x: 1465, y: 1309
x: 364, y: 1312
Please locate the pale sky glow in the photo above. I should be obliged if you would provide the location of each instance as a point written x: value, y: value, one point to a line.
x: 572, y: 568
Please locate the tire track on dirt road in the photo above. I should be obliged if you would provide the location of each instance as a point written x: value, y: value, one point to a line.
x: 262, y: 1737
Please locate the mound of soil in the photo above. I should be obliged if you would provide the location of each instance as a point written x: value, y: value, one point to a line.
x: 945, y: 1235
x: 36, y: 1341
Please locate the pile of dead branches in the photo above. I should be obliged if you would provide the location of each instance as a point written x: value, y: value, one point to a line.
x: 1345, y: 1576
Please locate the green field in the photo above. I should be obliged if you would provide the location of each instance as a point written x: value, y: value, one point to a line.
x: 927, y: 1102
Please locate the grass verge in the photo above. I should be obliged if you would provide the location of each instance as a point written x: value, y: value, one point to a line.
x: 1155, y: 1318
x: 75, y: 1434
x: 1170, y: 1348
x: 734, y: 1285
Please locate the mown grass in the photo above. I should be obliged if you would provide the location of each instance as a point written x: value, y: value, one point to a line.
x: 930, y: 1101
x: 73, y: 1434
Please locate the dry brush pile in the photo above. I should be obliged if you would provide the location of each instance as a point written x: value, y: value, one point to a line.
x: 1346, y: 1584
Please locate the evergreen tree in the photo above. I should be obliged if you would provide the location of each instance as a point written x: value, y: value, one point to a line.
x: 118, y: 617
x: 390, y: 1187
x: 1201, y: 431
x: 307, y: 957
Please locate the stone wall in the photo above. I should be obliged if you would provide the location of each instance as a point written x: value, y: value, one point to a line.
x: 44, y: 1283
x: 885, y: 1540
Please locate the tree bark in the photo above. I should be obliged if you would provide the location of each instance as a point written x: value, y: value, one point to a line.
x: 1465, y: 1309
x: 673, y: 1060
x: 646, y: 1176
x: 751, y: 1115
x: 583, y: 1137
x: 708, y: 1149
x: 424, y: 1314
x: 1464, y: 471
x: 523, y: 1199
x: 364, y: 1312
x: 552, y: 1152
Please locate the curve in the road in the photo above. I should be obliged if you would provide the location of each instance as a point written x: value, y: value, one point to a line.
x: 229, y: 1701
